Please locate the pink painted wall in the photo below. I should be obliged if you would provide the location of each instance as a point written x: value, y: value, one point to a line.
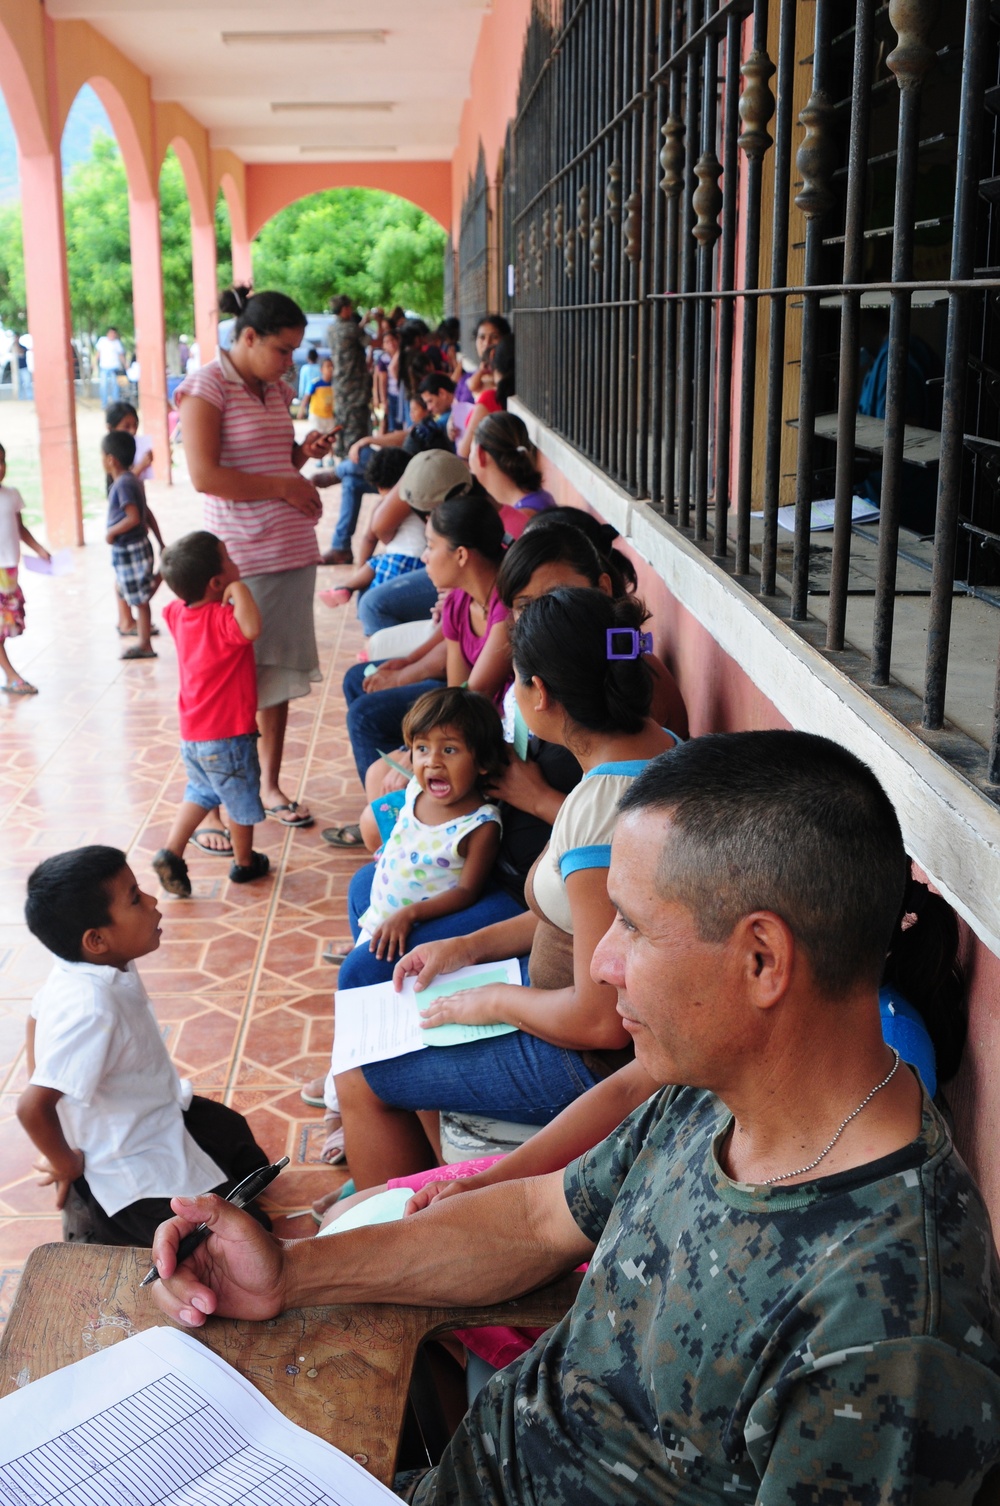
x: 492, y: 100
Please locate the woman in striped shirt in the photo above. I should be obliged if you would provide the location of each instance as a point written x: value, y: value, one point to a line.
x: 241, y: 453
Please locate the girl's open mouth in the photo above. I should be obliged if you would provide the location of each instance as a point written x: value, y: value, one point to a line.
x: 438, y: 788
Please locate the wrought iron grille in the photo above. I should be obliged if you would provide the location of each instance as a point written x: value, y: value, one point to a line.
x: 474, y: 263
x: 710, y: 204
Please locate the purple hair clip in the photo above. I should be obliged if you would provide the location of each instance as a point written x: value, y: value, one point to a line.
x: 638, y: 643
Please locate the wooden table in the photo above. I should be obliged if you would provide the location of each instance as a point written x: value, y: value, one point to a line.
x: 341, y: 1372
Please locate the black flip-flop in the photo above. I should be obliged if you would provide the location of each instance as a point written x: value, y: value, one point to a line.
x: 291, y: 820
x: 216, y: 831
x: 343, y: 836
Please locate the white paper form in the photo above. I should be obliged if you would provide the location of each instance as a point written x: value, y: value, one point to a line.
x: 158, y: 1418
x: 375, y: 1023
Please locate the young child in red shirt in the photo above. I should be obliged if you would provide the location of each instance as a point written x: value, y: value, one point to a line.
x: 213, y: 625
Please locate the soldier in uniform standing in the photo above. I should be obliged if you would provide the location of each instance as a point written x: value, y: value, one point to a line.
x: 352, y: 404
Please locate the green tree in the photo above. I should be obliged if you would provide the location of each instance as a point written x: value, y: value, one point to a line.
x: 376, y: 247
x: 13, y: 302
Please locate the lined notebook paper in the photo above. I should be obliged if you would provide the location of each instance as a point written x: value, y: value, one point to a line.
x: 156, y: 1410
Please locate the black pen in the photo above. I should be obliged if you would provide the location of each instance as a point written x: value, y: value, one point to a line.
x: 244, y: 1192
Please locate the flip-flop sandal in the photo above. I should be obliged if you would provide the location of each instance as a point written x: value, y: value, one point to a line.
x: 312, y: 1093
x: 291, y: 820
x: 18, y: 687
x: 331, y: 955
x: 330, y: 1201
x: 333, y: 1147
x: 138, y: 653
x: 343, y: 836
x: 133, y: 631
x: 214, y: 831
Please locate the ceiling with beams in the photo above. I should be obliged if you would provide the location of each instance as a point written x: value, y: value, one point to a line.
x: 325, y: 80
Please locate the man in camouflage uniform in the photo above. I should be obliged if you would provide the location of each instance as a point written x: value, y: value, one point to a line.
x: 352, y: 410
x: 352, y: 383
x: 792, y: 1294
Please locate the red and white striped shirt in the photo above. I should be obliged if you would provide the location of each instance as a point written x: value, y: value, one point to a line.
x: 262, y: 537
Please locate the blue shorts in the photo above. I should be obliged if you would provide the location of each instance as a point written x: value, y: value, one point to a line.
x: 226, y: 772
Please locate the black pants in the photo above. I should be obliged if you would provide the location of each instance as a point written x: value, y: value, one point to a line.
x: 220, y: 1132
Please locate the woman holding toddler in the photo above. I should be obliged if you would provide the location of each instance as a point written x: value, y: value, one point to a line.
x: 580, y: 681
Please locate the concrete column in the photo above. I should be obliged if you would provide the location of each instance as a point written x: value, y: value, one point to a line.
x: 50, y: 325
x: 242, y: 258
x: 147, y: 305
x: 206, y: 293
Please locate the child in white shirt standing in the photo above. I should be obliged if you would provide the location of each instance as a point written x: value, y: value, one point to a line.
x: 13, y: 534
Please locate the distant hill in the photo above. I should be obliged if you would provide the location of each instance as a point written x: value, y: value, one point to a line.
x: 86, y: 116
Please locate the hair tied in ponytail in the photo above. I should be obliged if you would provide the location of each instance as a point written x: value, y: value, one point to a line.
x: 636, y: 643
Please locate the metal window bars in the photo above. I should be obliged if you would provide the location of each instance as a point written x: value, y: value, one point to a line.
x: 698, y: 199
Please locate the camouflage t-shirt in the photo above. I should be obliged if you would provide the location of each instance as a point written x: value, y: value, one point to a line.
x: 831, y: 1343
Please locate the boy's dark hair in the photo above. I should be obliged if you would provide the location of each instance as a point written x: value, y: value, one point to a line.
x: 115, y: 412
x: 385, y: 468
x: 67, y: 896
x: 340, y: 302
x: 120, y: 446
x: 436, y: 381
x: 786, y: 822
x: 189, y: 563
x: 474, y: 717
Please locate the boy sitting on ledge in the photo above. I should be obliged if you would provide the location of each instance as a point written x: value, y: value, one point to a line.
x: 118, y: 1129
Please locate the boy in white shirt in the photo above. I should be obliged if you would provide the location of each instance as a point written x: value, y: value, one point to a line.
x: 118, y: 1129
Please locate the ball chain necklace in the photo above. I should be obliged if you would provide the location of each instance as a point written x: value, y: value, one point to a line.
x: 853, y: 1115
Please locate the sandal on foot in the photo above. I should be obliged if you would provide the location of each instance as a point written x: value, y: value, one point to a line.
x: 258, y: 865
x: 293, y: 818
x: 172, y: 873
x: 19, y: 687
x: 322, y: 1205
x: 133, y: 631
x: 332, y: 955
x: 312, y: 1093
x: 339, y: 596
x: 343, y: 836
x: 137, y: 652
x: 333, y: 1146
x: 213, y: 831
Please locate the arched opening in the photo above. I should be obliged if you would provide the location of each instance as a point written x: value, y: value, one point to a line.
x: 14, y: 378
x: 99, y: 266
x: 20, y: 427
x: 379, y: 248
x: 175, y: 243
x: 223, y: 241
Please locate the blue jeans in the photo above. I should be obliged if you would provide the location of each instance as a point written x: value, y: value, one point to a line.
x: 514, y: 1077
x: 225, y: 771
x: 375, y: 721
x: 108, y: 385
x: 408, y: 598
x: 362, y: 966
x: 353, y: 488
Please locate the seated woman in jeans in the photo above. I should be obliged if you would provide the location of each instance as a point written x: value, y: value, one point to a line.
x: 569, y: 1036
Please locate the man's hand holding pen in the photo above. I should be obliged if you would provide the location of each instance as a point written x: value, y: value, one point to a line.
x: 238, y: 1271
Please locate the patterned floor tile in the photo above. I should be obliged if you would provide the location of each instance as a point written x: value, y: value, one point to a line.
x: 243, y: 998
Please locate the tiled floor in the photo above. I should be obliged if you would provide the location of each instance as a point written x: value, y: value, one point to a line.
x: 244, y: 1000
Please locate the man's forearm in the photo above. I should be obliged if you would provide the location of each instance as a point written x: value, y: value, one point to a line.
x: 446, y: 1254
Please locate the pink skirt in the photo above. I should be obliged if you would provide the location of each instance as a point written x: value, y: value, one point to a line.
x: 11, y: 605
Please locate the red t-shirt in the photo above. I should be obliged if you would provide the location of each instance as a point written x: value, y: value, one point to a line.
x: 218, y: 675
